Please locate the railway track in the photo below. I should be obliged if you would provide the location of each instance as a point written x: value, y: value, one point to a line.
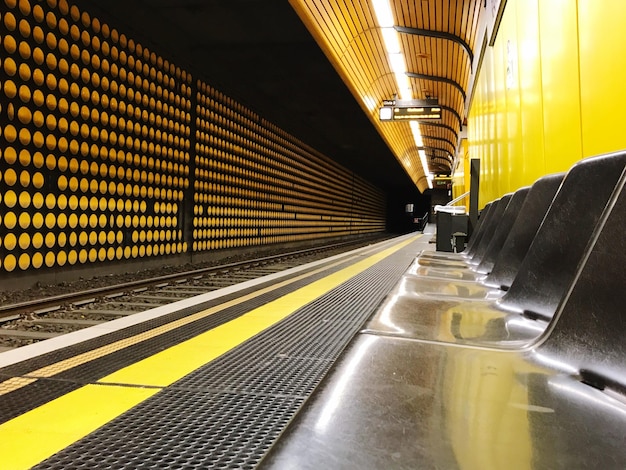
x: 39, y: 319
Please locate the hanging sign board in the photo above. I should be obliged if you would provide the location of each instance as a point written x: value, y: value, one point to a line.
x: 417, y: 110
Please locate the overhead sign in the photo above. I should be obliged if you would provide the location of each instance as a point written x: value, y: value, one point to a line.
x: 397, y: 110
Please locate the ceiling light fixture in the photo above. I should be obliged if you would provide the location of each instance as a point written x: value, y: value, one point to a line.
x: 417, y: 135
x: 419, y: 141
x: 391, y: 40
x: 384, y: 18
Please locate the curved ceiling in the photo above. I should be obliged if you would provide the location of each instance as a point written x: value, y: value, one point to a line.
x: 437, y: 39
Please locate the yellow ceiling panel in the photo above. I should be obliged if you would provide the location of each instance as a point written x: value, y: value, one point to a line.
x: 437, y: 39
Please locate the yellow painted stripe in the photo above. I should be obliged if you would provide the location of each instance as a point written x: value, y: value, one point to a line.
x: 173, y: 363
x: 15, y: 383
x: 40, y: 433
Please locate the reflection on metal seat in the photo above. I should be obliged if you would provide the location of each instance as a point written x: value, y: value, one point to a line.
x: 547, y: 271
x: 503, y: 263
x: 486, y: 256
x: 515, y: 247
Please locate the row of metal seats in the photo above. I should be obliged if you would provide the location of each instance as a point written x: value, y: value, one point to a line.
x: 509, y: 355
x: 518, y: 268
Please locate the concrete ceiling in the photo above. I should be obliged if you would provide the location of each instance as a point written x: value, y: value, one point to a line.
x: 259, y: 53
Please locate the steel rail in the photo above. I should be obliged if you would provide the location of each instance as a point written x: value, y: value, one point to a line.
x: 10, y: 311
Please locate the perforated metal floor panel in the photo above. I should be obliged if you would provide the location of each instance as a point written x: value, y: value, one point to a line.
x: 228, y: 413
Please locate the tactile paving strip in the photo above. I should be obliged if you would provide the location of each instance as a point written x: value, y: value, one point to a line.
x: 228, y: 413
x: 25, y: 367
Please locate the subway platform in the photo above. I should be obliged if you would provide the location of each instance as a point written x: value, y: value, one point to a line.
x: 208, y: 382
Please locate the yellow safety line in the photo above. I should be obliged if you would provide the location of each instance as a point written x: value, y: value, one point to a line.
x: 40, y: 433
x: 15, y: 383
x: 172, y: 364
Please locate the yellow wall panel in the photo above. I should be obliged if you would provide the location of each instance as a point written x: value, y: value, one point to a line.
x: 477, y: 131
x: 487, y: 122
x: 461, y: 178
x: 552, y: 90
x: 475, y: 146
x: 487, y: 164
x: 466, y: 170
x: 560, y: 84
x: 482, y: 130
x: 528, y: 164
x: 499, y: 170
x: 602, y: 42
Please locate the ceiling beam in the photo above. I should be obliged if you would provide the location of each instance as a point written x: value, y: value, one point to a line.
x: 437, y: 78
x: 441, y: 139
x: 440, y: 35
x: 443, y: 126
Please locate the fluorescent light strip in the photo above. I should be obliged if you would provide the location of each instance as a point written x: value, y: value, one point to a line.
x: 392, y: 43
x: 404, y: 86
x: 384, y: 18
x: 422, y: 154
x: 417, y: 135
x: 396, y: 60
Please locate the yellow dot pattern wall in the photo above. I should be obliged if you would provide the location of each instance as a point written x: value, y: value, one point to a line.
x: 110, y: 152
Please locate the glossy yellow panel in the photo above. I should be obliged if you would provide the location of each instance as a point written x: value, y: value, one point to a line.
x: 507, y: 98
x: 529, y: 89
x: 494, y: 109
x: 602, y: 40
x: 528, y: 163
x: 481, y: 129
x: 560, y: 84
x: 460, y: 180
